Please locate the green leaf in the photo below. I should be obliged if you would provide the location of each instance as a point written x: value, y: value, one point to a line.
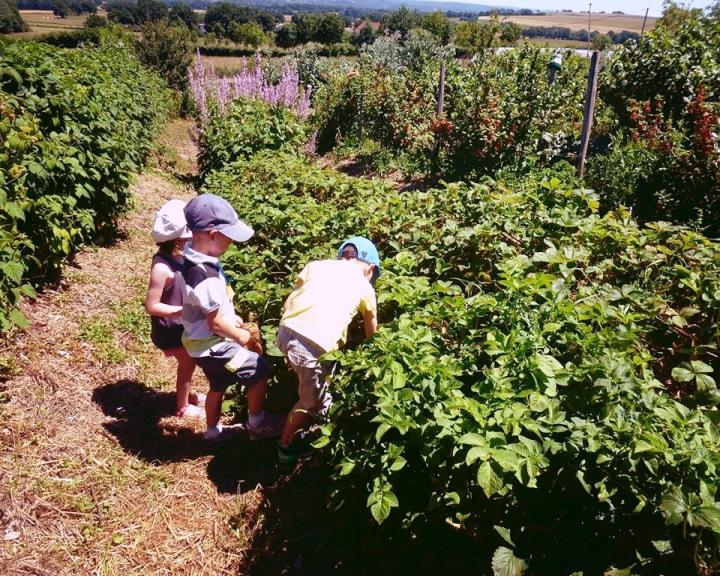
x: 675, y: 507
x: 700, y: 367
x: 548, y: 365
x: 612, y: 571
x: 488, y: 480
x: 13, y: 270
x: 398, y: 464
x: 682, y: 374
x: 381, y: 502
x: 708, y: 517
x: 505, y: 563
x: 504, y: 534
x: 705, y: 383
x: 473, y: 439
x: 381, y: 431
x: 321, y: 442
x: 346, y: 467
x: 18, y: 318
x: 476, y: 453
x: 663, y: 546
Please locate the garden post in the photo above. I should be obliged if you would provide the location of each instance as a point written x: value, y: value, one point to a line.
x: 590, y: 96
x: 441, y: 90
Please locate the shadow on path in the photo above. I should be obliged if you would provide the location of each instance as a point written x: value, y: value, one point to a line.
x: 137, y: 410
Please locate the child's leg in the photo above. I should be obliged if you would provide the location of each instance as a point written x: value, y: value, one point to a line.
x: 299, y: 419
x: 185, y: 369
x: 213, y: 404
x: 256, y: 397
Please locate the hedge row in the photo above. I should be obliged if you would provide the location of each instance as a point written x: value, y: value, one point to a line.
x: 74, y: 126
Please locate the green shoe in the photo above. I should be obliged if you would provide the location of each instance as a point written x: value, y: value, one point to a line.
x: 301, y: 448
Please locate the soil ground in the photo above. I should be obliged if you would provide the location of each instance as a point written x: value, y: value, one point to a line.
x: 97, y: 475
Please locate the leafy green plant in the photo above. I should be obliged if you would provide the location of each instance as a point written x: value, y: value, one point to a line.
x: 665, y: 92
x: 522, y: 363
x: 74, y: 125
x: 248, y: 127
x: 542, y: 370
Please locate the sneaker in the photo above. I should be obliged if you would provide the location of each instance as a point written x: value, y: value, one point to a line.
x: 301, y: 448
x: 223, y: 433
x: 272, y: 425
x: 197, y: 398
x: 190, y: 411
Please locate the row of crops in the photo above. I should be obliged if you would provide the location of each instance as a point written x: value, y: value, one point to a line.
x: 74, y: 126
x: 543, y: 376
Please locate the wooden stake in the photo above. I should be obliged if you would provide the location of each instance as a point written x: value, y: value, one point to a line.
x: 590, y: 96
x: 644, y: 20
x: 441, y: 90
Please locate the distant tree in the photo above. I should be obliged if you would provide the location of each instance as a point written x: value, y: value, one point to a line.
x: 306, y: 26
x: 60, y: 8
x: 182, y: 13
x: 267, y: 20
x: 220, y: 15
x: 366, y: 35
x: 714, y: 10
x: 510, y: 33
x: 675, y: 14
x: 10, y: 19
x: 249, y: 33
x: 95, y: 21
x: 474, y: 36
x: 150, y: 11
x: 286, y: 36
x: 438, y: 24
x: 168, y: 48
x: 330, y: 29
x: 123, y: 12
x: 601, y: 42
x: 225, y: 14
x: 400, y: 21
x: 82, y: 7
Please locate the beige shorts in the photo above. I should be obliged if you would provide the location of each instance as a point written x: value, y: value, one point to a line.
x: 302, y: 355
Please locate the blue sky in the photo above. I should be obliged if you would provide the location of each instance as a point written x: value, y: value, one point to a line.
x: 627, y: 6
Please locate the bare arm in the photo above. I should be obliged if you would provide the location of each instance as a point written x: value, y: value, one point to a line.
x: 159, y: 276
x: 370, y: 322
x: 298, y: 283
x: 227, y: 329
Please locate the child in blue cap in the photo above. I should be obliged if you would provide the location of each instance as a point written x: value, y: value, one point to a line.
x: 327, y: 296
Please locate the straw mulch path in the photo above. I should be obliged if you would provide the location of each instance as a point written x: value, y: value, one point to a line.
x: 97, y: 476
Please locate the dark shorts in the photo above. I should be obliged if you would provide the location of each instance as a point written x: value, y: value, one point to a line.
x: 224, y: 367
x: 166, y: 337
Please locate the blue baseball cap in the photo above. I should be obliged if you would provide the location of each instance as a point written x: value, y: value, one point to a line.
x: 366, y: 252
x: 210, y: 212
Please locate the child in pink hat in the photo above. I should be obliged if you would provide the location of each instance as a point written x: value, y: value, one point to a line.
x: 164, y: 301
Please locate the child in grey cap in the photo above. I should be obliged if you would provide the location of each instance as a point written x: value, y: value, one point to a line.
x: 213, y: 334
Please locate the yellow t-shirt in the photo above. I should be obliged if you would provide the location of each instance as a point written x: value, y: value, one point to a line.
x: 332, y: 292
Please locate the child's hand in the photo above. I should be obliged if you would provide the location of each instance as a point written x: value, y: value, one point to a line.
x: 255, y: 342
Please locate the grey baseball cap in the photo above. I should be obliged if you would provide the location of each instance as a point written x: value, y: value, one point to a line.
x: 210, y: 212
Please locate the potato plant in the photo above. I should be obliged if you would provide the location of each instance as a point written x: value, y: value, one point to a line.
x: 545, y: 376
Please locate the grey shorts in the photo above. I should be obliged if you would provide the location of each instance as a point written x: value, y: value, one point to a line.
x: 221, y: 371
x: 302, y: 355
